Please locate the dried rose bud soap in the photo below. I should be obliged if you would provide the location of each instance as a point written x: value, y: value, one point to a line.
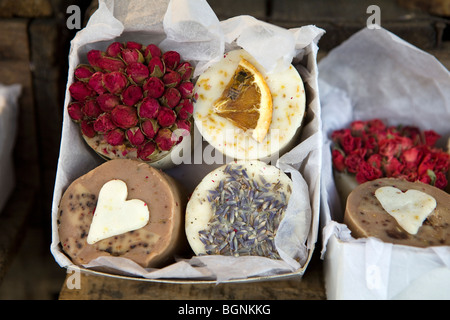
x: 123, y: 208
x: 236, y: 210
x: 133, y: 101
x: 246, y: 112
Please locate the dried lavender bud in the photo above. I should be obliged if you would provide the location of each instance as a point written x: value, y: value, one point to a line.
x: 148, y: 108
x: 132, y: 95
x: 153, y: 87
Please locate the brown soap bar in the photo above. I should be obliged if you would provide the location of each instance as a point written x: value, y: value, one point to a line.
x: 365, y: 216
x: 153, y: 245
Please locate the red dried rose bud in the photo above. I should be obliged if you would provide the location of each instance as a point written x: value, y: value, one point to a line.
x: 104, y: 123
x: 96, y: 82
x: 115, y: 137
x: 171, y: 59
x: 185, y: 109
x: 137, y: 72
x: 83, y: 72
x: 183, y: 125
x: 170, y: 98
x: 107, y: 101
x: 171, y: 78
x: 94, y: 56
x: 75, y: 111
x: 133, y: 45
x: 186, y: 89
x: 153, y: 87
x: 124, y: 116
x: 87, y: 129
x: 91, y: 109
x: 147, y: 150
x: 130, y: 56
x: 149, y: 128
x: 152, y: 51
x: 110, y: 64
x: 132, y: 95
x: 135, y: 136
x: 148, y: 108
x: 80, y: 91
x: 186, y: 71
x: 114, y: 49
x: 166, y: 117
x: 156, y: 67
x: 165, y: 140
x: 115, y: 82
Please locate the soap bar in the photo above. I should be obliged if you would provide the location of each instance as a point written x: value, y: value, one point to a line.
x: 236, y: 210
x: 288, y: 105
x: 153, y: 245
x: 366, y: 217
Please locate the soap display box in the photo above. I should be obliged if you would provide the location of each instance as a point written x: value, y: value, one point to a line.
x: 375, y: 74
x: 76, y: 158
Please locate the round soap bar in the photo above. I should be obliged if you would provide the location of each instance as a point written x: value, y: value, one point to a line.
x: 369, y: 215
x: 152, y: 245
x: 288, y: 104
x: 236, y: 210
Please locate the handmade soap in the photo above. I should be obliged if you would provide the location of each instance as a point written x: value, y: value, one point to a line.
x: 152, y: 245
x: 236, y: 210
x: 401, y: 212
x: 288, y: 110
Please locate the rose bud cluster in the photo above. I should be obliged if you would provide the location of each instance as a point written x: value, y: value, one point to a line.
x: 133, y: 97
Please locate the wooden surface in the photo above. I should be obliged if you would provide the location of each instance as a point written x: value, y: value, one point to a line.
x: 94, y: 287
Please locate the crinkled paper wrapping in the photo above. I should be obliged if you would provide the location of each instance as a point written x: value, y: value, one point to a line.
x: 192, y: 28
x: 9, y: 109
x: 375, y: 74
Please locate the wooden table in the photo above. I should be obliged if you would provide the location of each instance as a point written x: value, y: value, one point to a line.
x: 98, y: 287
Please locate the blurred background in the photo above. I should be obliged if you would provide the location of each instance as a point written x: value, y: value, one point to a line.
x: 34, y: 47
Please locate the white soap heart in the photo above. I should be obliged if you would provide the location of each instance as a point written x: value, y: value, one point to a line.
x: 409, y: 208
x: 114, y: 214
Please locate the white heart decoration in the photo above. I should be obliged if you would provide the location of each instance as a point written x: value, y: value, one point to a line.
x: 114, y: 214
x: 409, y: 208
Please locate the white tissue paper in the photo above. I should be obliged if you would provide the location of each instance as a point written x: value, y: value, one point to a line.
x: 193, y: 29
x: 375, y: 74
x: 9, y: 110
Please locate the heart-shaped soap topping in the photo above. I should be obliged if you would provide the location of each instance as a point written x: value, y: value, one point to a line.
x: 409, y: 208
x: 114, y: 214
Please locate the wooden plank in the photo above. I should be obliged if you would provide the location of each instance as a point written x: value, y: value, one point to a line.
x: 95, y: 287
x: 14, y: 40
x: 232, y: 8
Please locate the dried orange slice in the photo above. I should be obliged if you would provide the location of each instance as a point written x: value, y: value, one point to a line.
x: 247, y: 101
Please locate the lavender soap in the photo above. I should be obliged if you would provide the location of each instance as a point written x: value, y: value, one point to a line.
x: 236, y: 210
